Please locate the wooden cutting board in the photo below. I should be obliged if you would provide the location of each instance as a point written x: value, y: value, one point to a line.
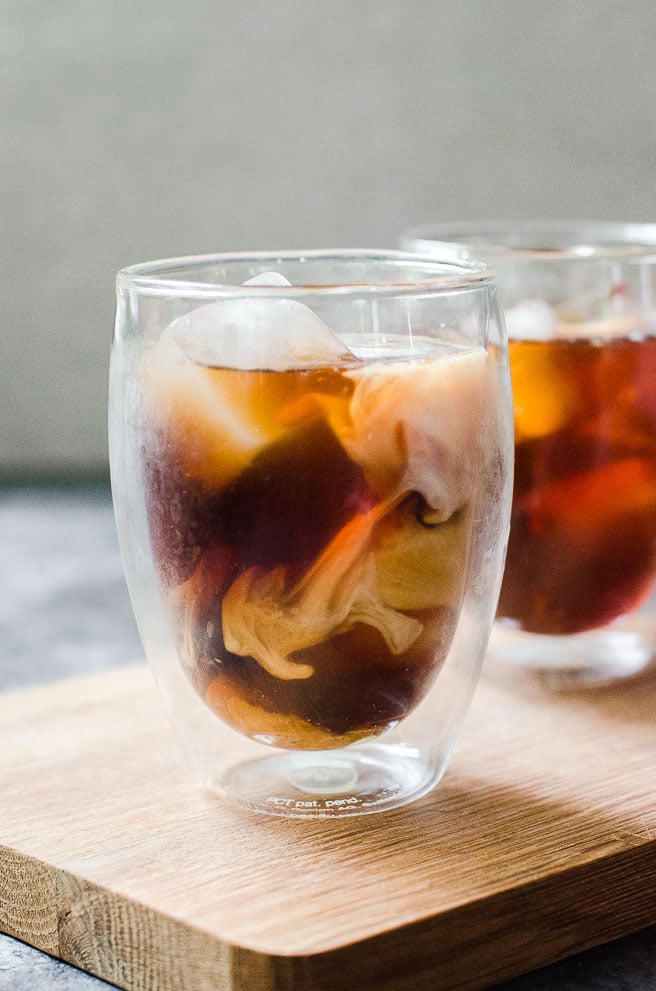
x: 540, y: 841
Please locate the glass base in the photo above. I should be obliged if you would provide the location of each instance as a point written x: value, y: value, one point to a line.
x: 598, y: 657
x: 358, y: 780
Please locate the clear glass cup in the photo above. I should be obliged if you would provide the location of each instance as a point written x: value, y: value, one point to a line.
x: 311, y: 461
x: 580, y: 307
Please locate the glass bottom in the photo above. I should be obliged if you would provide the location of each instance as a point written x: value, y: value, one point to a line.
x: 598, y: 657
x: 358, y: 780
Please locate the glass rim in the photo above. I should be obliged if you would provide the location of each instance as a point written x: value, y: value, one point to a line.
x: 586, y: 240
x: 159, y: 276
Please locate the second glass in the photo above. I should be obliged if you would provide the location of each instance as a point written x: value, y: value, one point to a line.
x: 580, y: 306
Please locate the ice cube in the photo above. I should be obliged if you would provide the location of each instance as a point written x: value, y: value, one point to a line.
x: 531, y: 320
x: 268, y: 332
x: 422, y: 426
x: 207, y: 415
x: 619, y: 325
x: 268, y: 279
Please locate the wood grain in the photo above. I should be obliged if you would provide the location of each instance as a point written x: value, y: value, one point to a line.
x: 541, y: 841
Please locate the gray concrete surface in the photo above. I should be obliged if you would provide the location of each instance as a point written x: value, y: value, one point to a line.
x: 64, y: 608
x: 25, y: 969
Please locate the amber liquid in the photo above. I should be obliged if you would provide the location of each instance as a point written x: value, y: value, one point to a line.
x: 313, y: 584
x: 582, y: 548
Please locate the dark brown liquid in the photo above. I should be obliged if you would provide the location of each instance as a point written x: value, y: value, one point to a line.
x: 582, y: 545
x: 273, y: 547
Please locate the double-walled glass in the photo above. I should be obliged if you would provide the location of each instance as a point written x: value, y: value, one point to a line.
x: 580, y: 306
x: 311, y: 465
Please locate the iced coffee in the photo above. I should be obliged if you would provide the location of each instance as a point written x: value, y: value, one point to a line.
x: 582, y: 548
x: 315, y: 505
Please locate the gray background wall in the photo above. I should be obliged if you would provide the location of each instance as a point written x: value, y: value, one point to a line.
x: 136, y: 129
